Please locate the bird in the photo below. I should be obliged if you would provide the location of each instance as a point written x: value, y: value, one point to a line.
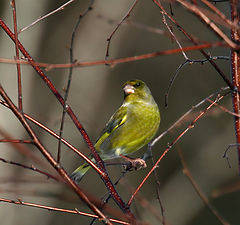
x: 131, y: 127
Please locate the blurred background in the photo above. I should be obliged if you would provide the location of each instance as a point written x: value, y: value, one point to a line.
x: 96, y: 93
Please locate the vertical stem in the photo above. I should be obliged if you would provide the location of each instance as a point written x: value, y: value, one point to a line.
x: 70, y: 77
x: 235, y: 66
x: 17, y: 56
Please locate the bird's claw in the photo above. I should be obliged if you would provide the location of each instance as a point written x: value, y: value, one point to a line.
x: 137, y: 163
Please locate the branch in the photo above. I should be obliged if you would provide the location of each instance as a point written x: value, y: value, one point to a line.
x: 62, y: 7
x: 193, y: 8
x: 104, y: 176
x: 50, y: 208
x: 49, y: 157
x: 119, y: 24
x: 31, y: 168
x: 58, y: 137
x: 235, y: 66
x: 113, y: 62
x: 224, y: 77
x: 190, y: 126
x: 20, y: 106
x: 70, y: 78
x: 204, y: 198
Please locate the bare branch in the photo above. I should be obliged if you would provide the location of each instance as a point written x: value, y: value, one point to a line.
x: 62, y: 7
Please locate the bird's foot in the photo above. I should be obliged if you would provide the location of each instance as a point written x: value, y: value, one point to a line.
x: 137, y: 163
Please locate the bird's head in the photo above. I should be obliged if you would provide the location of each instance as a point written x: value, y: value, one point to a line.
x: 136, y: 89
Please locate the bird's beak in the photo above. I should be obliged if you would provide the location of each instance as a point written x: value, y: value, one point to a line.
x: 128, y: 89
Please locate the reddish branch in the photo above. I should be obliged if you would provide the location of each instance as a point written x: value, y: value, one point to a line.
x: 54, y: 135
x: 50, y: 158
x: 224, y: 77
x: 220, y: 14
x: 22, y: 149
x: 104, y: 176
x: 114, y: 62
x: 235, y: 66
x: 17, y: 56
x: 196, y: 10
x: 17, y: 141
x: 190, y: 126
x: 50, y: 208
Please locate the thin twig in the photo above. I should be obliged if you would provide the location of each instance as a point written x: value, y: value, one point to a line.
x: 62, y: 7
x: 220, y: 72
x: 22, y: 149
x: 33, y: 168
x: 173, y: 35
x: 225, y: 154
x: 196, y: 187
x: 50, y: 208
x: 149, y: 154
x: 70, y: 77
x: 116, y: 28
x: 193, y: 8
x: 189, y: 127
x: 224, y: 109
x: 20, y: 105
x: 189, y: 61
x: 220, y: 14
x: 188, y: 113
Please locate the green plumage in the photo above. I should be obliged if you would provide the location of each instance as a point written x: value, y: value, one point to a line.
x: 131, y: 127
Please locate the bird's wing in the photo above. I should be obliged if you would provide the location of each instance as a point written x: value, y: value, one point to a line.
x: 117, y: 120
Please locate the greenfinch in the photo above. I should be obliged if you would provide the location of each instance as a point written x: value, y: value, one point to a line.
x: 130, y: 128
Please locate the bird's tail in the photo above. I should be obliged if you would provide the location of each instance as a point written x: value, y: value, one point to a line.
x: 78, y: 174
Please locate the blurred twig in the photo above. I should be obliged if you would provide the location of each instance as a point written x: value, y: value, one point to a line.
x: 188, y: 113
x: 22, y: 148
x: 226, y: 189
x: 224, y: 109
x: 196, y: 187
x: 196, y: 10
x: 148, y: 154
x: 220, y: 14
x: 33, y: 168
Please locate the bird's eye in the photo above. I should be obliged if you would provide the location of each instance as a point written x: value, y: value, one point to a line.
x: 138, y: 84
